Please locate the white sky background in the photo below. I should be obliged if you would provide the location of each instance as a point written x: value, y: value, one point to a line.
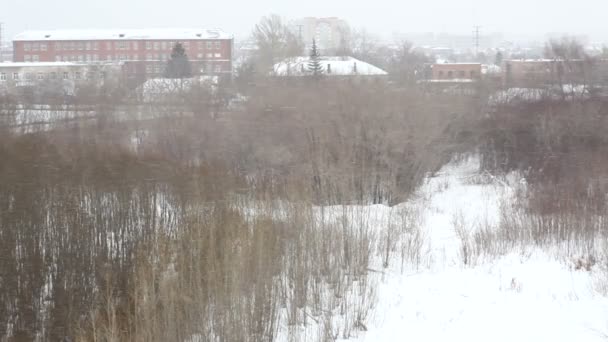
x: 530, y: 17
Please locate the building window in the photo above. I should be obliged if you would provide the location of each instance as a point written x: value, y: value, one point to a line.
x: 43, y: 47
x: 15, y: 75
x: 80, y: 58
x: 156, y: 45
x: 80, y: 46
x: 164, y: 46
x: 77, y: 75
x: 201, y: 45
x: 27, y: 47
x: 2, y: 77
x: 149, y: 69
x: 148, y: 45
x: 35, y: 58
x: 135, y: 46
x: 57, y: 46
x: 186, y: 45
x: 209, y: 55
x: 88, y: 46
x: 95, y: 46
x: 217, y: 68
x: 35, y: 46
x: 29, y: 76
x: 450, y: 74
x: 27, y: 58
x: 53, y: 75
x: 461, y: 74
x: 209, y: 45
x: 66, y: 75
x: 199, y: 56
x: 40, y: 76
x: 58, y: 58
x: 217, y: 55
x: 472, y: 74
x: 218, y: 45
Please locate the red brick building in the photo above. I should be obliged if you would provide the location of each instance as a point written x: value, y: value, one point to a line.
x: 144, y: 52
x: 456, y: 71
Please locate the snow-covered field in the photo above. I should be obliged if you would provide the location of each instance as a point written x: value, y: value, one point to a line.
x: 531, y: 296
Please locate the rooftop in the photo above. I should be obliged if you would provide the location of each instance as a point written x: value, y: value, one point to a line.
x: 340, y: 66
x: 124, y: 34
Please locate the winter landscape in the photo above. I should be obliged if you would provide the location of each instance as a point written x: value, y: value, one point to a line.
x: 244, y: 172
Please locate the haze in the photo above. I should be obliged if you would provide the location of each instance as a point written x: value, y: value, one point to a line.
x: 532, y: 18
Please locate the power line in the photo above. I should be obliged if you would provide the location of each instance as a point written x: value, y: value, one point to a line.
x: 476, y: 32
x: 1, y: 44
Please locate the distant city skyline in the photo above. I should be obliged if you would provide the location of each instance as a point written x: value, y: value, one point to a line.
x: 515, y: 18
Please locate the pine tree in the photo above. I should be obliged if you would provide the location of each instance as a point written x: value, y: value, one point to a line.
x: 498, y: 58
x: 314, y: 63
x: 179, y: 65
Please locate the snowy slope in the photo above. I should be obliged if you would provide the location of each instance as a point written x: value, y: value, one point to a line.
x: 531, y: 297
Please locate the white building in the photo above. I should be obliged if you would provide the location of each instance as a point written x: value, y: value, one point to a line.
x: 332, y: 66
x: 66, y: 74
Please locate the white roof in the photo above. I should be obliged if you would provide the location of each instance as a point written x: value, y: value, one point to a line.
x: 340, y: 66
x: 126, y: 34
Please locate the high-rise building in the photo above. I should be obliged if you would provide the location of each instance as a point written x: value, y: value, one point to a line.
x: 330, y: 33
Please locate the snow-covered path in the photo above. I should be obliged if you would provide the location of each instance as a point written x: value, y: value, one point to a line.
x: 531, y: 297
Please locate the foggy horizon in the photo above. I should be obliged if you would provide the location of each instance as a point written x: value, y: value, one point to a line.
x: 520, y: 19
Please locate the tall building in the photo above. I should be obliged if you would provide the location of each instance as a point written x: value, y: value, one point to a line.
x: 144, y: 51
x: 329, y: 32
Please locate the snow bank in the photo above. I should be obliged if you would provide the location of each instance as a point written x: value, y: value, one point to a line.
x: 518, y: 297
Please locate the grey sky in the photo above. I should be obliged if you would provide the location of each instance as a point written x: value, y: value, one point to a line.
x: 535, y: 17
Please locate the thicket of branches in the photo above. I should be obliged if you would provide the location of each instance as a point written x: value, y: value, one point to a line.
x: 156, y: 222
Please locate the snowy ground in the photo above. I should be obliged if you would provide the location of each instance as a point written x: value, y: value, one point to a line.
x: 518, y: 297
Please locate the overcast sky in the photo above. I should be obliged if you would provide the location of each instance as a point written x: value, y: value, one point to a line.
x: 534, y: 17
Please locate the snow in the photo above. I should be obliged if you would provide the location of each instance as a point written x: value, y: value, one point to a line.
x: 124, y: 34
x: 340, y: 66
x: 155, y: 87
x: 522, y: 296
x: 530, y: 95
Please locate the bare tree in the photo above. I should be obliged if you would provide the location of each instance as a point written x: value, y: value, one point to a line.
x: 275, y: 41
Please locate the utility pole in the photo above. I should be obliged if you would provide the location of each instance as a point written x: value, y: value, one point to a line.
x: 476, y: 32
x: 1, y: 46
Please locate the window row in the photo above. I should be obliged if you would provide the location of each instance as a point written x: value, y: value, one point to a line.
x: 461, y: 74
x: 53, y: 75
x: 166, y: 45
x: 31, y: 58
x: 118, y: 45
x: 159, y: 68
x: 35, y: 46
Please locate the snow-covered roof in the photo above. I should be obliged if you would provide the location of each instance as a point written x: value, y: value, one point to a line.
x: 126, y: 34
x: 340, y: 66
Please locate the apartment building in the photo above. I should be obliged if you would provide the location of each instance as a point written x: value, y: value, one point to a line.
x: 144, y: 51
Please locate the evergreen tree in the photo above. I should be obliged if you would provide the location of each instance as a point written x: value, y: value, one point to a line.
x: 179, y: 65
x: 314, y: 64
x: 498, y: 59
